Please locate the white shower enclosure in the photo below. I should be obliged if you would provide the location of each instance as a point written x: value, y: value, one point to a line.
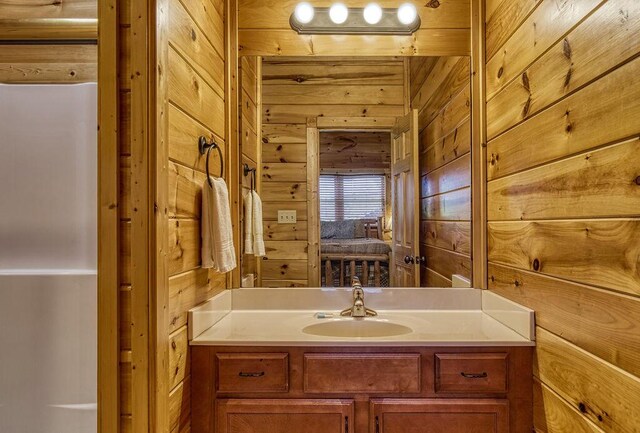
x: 48, y: 258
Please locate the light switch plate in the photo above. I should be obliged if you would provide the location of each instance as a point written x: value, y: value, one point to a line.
x: 287, y: 217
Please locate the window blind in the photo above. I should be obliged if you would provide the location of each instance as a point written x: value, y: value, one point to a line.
x: 351, y: 197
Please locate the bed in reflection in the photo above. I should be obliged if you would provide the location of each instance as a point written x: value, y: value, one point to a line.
x: 354, y: 248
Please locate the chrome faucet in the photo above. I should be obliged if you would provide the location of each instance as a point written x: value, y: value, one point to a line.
x: 358, y: 309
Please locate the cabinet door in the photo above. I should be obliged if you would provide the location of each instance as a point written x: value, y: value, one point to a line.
x: 284, y: 416
x: 439, y: 416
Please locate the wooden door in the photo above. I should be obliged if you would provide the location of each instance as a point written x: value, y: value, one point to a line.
x: 439, y: 416
x: 405, y: 197
x: 284, y: 416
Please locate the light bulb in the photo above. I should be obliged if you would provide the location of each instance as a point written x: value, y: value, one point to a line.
x: 338, y: 13
x: 303, y: 13
x: 407, y: 14
x: 372, y: 13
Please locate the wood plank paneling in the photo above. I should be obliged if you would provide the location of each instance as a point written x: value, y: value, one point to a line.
x: 600, y: 183
x: 451, y: 206
x: 424, y: 42
x: 603, y: 112
x: 184, y: 245
x: 286, y: 250
x: 348, y: 150
x: 598, y: 44
x: 606, y: 396
x: 334, y: 73
x: 445, y: 262
x: 180, y: 406
x: 312, y: 94
x: 601, y: 252
x: 184, y: 131
x: 443, y: 101
x: 287, y: 133
x: 179, y: 364
x: 189, y: 289
x: 419, y: 70
x: 430, y: 278
x: 186, y: 37
x: 446, y: 149
x: 551, y: 414
x: 449, y: 235
x: 270, y: 209
x: 285, y: 269
x: 563, y: 200
x: 287, y: 152
x: 250, y: 95
x: 604, y: 323
x: 284, y: 191
x: 284, y: 172
x: 48, y: 64
x: 531, y: 39
x: 504, y: 20
x: 290, y: 114
x: 36, y: 9
x: 453, y: 77
x: 195, y: 95
x: 185, y: 191
x: 285, y: 232
x: 450, y: 177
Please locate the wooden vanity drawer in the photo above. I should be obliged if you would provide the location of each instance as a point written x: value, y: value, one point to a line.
x: 471, y: 372
x: 338, y: 373
x: 252, y: 372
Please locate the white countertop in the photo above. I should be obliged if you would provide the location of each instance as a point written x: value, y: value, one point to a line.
x: 437, y: 317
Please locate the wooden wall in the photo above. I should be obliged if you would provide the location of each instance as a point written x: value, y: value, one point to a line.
x: 196, y: 94
x: 355, y: 152
x: 193, y: 97
x: 250, y: 143
x: 563, y: 196
x: 42, y: 61
x: 294, y: 90
x: 56, y: 20
x: 440, y: 89
x: 265, y: 30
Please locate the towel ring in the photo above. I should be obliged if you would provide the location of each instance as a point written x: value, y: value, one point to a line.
x: 203, y: 147
x: 248, y: 170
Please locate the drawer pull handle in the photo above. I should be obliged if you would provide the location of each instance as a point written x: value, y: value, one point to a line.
x: 256, y: 374
x: 474, y: 375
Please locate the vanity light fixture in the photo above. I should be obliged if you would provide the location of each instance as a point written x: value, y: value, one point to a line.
x: 341, y: 20
x: 304, y: 13
x: 407, y: 13
x: 338, y: 13
x: 372, y: 13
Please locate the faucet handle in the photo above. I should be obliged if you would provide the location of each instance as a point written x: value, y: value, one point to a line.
x: 355, y: 281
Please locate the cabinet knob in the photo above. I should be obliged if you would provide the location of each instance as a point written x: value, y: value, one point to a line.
x: 409, y: 259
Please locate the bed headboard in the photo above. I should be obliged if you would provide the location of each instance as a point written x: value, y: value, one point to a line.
x: 372, y: 228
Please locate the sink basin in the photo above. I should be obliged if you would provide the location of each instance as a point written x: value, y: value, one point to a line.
x: 357, y: 328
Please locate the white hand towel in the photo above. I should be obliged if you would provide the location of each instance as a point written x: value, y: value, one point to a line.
x: 218, y: 251
x: 256, y: 217
x: 248, y: 223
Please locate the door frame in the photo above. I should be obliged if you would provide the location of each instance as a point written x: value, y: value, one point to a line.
x: 315, y: 125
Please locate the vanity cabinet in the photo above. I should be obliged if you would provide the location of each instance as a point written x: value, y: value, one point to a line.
x: 440, y: 416
x: 361, y: 389
x: 284, y: 416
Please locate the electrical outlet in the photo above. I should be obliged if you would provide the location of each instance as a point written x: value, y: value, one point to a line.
x: 287, y: 217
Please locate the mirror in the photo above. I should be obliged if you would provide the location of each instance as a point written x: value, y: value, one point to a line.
x: 363, y: 167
